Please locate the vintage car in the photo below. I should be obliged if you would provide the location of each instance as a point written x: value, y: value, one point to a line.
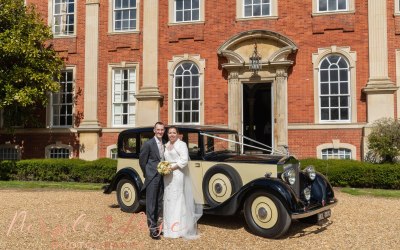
x: 270, y: 189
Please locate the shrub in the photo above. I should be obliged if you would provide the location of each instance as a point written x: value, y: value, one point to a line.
x: 5, y: 169
x: 101, y: 170
x: 350, y: 173
x: 384, y: 141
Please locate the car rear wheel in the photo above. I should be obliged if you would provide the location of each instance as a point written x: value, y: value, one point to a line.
x: 219, y: 183
x: 128, y: 196
x: 265, y: 215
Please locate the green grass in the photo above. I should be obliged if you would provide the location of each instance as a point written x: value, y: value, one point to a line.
x: 372, y: 192
x: 50, y: 185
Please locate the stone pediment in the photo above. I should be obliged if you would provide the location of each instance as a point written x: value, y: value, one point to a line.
x: 273, y: 47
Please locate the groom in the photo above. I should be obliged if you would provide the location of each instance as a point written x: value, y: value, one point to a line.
x: 151, y: 154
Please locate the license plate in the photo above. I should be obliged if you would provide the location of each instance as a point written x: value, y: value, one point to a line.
x: 324, y: 215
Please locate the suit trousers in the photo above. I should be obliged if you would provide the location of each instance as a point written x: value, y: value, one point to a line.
x: 154, y: 201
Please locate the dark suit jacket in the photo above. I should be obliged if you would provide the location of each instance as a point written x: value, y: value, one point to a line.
x: 148, y: 160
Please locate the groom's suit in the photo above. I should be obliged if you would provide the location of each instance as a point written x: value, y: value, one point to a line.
x: 153, y: 184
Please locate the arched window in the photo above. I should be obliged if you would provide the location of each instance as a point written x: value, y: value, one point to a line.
x: 58, y: 150
x: 186, y: 94
x: 336, y: 153
x: 334, y: 89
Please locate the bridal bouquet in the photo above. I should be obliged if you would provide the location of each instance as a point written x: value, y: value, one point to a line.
x: 164, y: 167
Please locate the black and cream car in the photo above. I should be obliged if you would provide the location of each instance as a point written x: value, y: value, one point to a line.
x: 270, y: 189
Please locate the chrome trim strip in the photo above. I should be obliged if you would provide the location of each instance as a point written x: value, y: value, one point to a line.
x: 313, y: 212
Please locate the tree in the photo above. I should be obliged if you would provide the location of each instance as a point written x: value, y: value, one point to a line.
x: 28, y: 65
x: 384, y: 140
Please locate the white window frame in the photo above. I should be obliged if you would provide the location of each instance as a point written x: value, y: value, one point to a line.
x: 336, y: 144
x: 172, y: 13
x: 111, y: 92
x: 58, y: 145
x: 338, y: 95
x: 190, y: 99
x: 315, y: 7
x: 15, y: 147
x: 110, y: 153
x: 396, y: 7
x: 240, y: 11
x: 172, y: 65
x: 111, y: 23
x: 351, y: 58
x: 52, y: 105
x: 51, y: 18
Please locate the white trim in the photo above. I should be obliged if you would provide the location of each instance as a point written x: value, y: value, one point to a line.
x: 336, y: 144
x: 351, y: 58
x: 58, y: 145
x: 50, y: 19
x: 12, y: 146
x: 172, y: 64
x: 49, y: 109
x: 111, y: 19
x: 109, y: 148
x: 315, y: 6
x: 110, y: 113
x: 172, y: 17
x: 240, y: 11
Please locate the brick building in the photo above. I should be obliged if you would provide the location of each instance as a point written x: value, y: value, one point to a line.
x: 327, y: 71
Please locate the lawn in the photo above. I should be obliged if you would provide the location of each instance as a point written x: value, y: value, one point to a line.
x: 372, y: 192
x: 50, y: 185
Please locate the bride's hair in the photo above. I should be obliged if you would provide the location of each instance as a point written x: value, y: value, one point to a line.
x: 176, y: 129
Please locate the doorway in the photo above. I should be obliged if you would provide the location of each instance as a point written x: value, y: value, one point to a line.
x: 257, y: 115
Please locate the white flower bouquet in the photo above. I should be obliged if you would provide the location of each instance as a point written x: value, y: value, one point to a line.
x: 164, y: 168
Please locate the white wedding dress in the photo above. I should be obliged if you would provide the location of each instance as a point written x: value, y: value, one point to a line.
x: 180, y: 213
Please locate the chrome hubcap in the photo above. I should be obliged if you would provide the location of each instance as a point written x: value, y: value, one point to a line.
x: 262, y: 213
x: 126, y: 194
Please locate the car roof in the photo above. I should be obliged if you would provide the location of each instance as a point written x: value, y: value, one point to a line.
x: 184, y: 128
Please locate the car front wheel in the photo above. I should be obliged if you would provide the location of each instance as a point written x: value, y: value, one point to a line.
x: 266, y: 216
x: 128, y: 196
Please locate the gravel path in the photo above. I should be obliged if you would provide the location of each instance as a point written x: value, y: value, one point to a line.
x: 91, y: 220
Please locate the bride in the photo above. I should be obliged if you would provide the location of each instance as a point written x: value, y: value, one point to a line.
x: 180, y: 211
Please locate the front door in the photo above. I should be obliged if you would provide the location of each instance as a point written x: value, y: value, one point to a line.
x: 257, y: 115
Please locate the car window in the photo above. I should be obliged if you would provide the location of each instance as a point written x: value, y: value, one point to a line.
x: 145, y: 136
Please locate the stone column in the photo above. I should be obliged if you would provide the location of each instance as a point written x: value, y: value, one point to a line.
x: 89, y: 129
x: 380, y: 89
x: 281, y: 111
x: 149, y: 97
x: 234, y: 104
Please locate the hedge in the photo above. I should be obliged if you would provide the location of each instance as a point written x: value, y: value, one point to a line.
x: 341, y: 173
x: 98, y: 171
x: 357, y: 174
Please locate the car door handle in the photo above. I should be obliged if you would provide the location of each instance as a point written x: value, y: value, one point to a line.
x: 197, y: 165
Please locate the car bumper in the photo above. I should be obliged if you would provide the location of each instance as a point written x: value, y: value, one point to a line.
x: 314, y: 211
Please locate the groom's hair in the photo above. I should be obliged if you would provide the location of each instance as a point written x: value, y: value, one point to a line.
x: 176, y: 129
x: 158, y: 123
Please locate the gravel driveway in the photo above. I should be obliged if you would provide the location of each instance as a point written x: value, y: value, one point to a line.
x: 91, y: 220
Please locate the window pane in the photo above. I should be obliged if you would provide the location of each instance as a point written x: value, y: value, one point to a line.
x: 344, y: 75
x: 324, y: 76
x: 342, y: 5
x: 195, y: 15
x: 334, y: 76
x: 324, y: 101
x: 332, y: 4
x: 334, y: 88
x: 344, y: 101
x: 344, y: 88
x: 335, y: 114
x: 322, y: 5
x: 334, y: 101
x: 179, y: 4
x: 256, y: 10
x: 344, y: 114
x: 247, y: 11
x: 195, y: 4
x: 265, y: 10
x: 179, y: 16
x: 324, y: 114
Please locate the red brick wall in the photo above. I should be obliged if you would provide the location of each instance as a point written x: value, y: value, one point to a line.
x: 309, y: 33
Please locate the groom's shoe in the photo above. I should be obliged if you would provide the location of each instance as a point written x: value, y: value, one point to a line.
x: 155, y: 235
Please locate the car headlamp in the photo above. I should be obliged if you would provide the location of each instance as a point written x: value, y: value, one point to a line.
x: 307, y: 193
x: 310, y: 172
x: 289, y: 176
